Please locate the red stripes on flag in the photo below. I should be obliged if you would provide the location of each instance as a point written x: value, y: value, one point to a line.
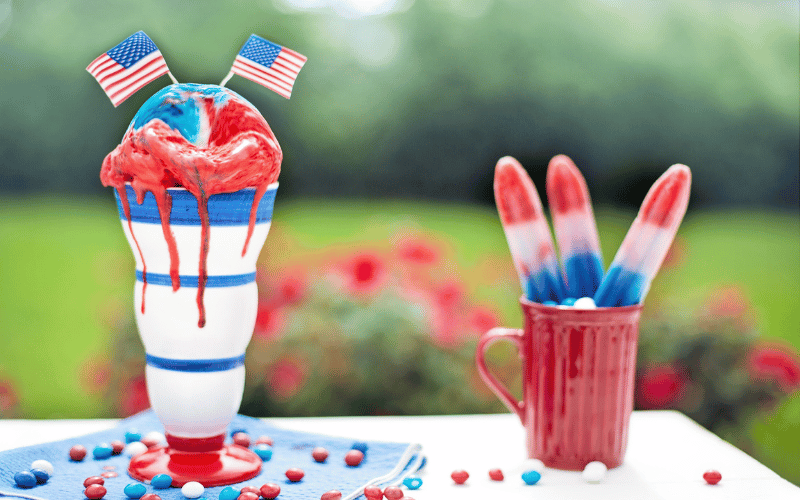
x: 279, y: 76
x: 119, y: 82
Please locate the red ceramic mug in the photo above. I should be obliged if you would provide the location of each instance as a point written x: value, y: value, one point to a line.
x: 578, y: 370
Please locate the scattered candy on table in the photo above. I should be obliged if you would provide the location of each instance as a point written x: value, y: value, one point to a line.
x: 109, y: 474
x: 531, y: 477
x: 135, y: 490
x: 248, y: 495
x: 354, y: 458
x: 712, y: 476
x: 156, y: 436
x: 95, y: 491
x: 250, y: 489
x: 594, y: 472
x: 460, y: 476
x: 373, y: 492
x: 77, y: 453
x: 319, y: 454
x: 496, y: 475
x: 43, y: 465
x: 294, y: 474
x: 93, y: 480
x: 265, y: 440
x: 393, y: 493
x: 270, y: 490
x: 25, y: 479
x: 151, y: 496
x: 242, y: 439
x: 132, y: 435
x: 41, y: 475
x: 102, y: 451
x: 192, y: 489
x: 229, y: 493
x: 135, y: 448
x: 264, y: 451
x: 360, y: 446
x: 412, y: 482
x: 117, y: 447
x: 533, y: 464
x: 161, y: 481
x: 332, y: 495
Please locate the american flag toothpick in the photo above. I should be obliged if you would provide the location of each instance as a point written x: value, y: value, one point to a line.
x: 128, y: 67
x: 267, y: 64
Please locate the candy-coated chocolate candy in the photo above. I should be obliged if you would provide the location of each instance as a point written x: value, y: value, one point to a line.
x: 294, y: 474
x: 135, y: 448
x: 41, y: 475
x: 265, y: 440
x: 161, y: 481
x: 533, y: 464
x: 412, y: 482
x: 133, y: 435
x: 712, y: 476
x: 270, y: 490
x: 102, y: 451
x: 242, y: 439
x: 95, y: 491
x: 496, y: 475
x: 192, y: 489
x: 248, y: 495
x: 156, y: 436
x: 93, y: 480
x: 149, y: 442
x: 360, y: 446
x: 25, y: 479
x: 531, y: 477
x: 550, y: 303
x: 594, y: 472
x: 320, y: 454
x: 116, y: 447
x: 151, y: 496
x: 109, y: 474
x: 332, y: 495
x: 229, y: 493
x: 585, y: 303
x: 393, y: 493
x: 354, y: 458
x: 569, y: 301
x: 460, y: 476
x: 43, y: 465
x: 264, y: 451
x: 77, y: 453
x: 134, y: 490
x: 250, y: 489
x: 373, y: 493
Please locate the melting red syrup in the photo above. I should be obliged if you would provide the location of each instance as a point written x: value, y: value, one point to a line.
x: 240, y: 152
x: 566, y: 187
x: 514, y: 193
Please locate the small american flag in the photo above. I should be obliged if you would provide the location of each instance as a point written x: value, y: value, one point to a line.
x: 128, y: 67
x: 269, y: 64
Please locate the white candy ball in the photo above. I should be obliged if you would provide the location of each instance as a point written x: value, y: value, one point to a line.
x: 43, y: 465
x: 533, y: 464
x: 192, y: 489
x: 594, y: 472
x: 156, y: 436
x: 135, y: 448
x: 585, y: 303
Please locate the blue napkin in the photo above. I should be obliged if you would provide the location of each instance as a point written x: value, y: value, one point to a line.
x: 384, y: 463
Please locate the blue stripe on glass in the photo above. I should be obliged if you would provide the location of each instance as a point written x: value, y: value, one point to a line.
x: 191, y: 281
x: 225, y: 209
x: 195, y: 365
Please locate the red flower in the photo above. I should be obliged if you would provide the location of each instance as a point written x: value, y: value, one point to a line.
x: 365, y: 273
x: 483, y: 318
x: 449, y: 295
x: 8, y: 396
x: 728, y: 302
x: 286, y: 377
x: 269, y: 320
x: 417, y: 251
x: 660, y: 386
x: 776, y: 363
x: 135, y: 396
x: 293, y: 288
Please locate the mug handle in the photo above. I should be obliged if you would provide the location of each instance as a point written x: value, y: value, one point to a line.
x: 486, y: 340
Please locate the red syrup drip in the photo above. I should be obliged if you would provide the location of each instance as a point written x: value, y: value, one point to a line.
x: 566, y: 187
x: 515, y: 193
x: 241, y: 152
x: 126, y: 210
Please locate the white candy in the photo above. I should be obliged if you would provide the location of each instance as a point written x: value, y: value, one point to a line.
x: 192, y: 489
x: 135, y: 448
x: 43, y: 465
x: 156, y: 436
x: 585, y: 303
x: 533, y: 464
x: 594, y: 472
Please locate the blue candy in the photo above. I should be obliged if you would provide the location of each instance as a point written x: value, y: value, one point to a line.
x: 102, y: 451
x: 360, y: 446
x: 133, y: 435
x: 264, y: 451
x: 135, y: 490
x: 569, y: 301
x: 234, y: 430
x: 41, y: 475
x: 161, y: 481
x: 550, y: 303
x: 25, y: 479
x: 531, y: 477
x: 412, y: 482
x: 229, y: 493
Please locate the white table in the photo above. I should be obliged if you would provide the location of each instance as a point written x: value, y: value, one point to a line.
x: 667, y: 455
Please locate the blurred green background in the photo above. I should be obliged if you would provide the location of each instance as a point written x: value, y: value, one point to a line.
x: 397, y: 120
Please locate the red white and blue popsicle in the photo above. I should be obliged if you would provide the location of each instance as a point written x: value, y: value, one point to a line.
x: 575, y: 228
x: 527, y: 232
x: 648, y: 240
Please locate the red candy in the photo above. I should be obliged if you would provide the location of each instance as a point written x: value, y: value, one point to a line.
x: 294, y: 474
x: 95, y: 491
x: 320, y: 454
x: 150, y: 496
x: 373, y: 493
x: 265, y: 440
x: 270, y: 490
x: 332, y: 495
x: 150, y: 442
x: 117, y: 447
x: 109, y: 474
x: 712, y: 476
x: 93, y: 480
x: 496, y: 475
x: 77, y: 453
x: 242, y: 439
x: 460, y: 476
x: 248, y: 495
x: 393, y: 493
x: 353, y: 458
x: 250, y: 489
